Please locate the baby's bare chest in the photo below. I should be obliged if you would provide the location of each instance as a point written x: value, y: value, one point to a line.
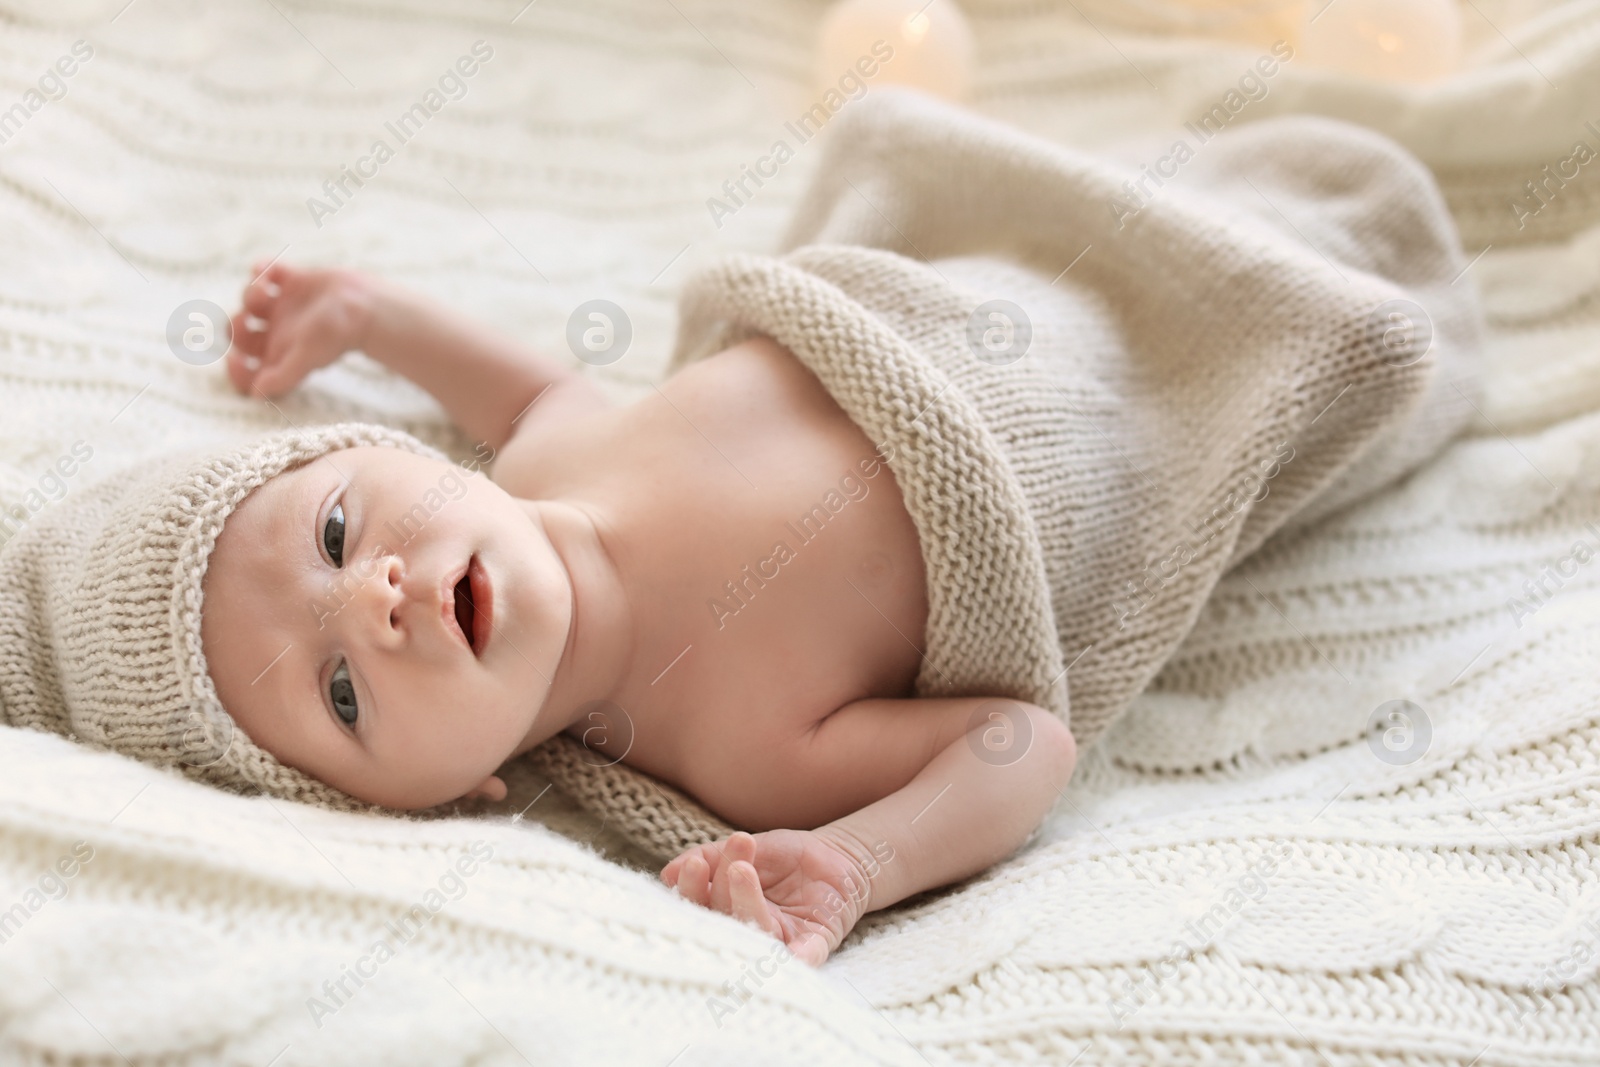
x: 771, y: 564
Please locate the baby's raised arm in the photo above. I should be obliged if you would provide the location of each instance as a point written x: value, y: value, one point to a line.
x: 970, y: 806
x: 311, y: 317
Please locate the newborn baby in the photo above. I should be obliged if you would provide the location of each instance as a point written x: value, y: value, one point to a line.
x: 728, y: 561
x: 927, y: 500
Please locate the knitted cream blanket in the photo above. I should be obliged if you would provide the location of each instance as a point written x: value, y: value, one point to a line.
x: 1242, y: 870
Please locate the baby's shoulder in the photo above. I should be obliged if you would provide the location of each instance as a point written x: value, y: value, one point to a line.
x: 732, y: 407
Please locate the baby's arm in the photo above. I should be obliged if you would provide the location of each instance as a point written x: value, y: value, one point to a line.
x: 971, y: 805
x: 483, y: 380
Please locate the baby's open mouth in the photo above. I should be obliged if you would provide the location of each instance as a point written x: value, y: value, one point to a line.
x: 474, y: 599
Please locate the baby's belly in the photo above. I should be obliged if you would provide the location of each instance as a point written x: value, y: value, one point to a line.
x: 786, y: 578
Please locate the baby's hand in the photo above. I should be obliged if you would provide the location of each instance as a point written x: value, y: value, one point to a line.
x: 312, y: 318
x: 795, y: 884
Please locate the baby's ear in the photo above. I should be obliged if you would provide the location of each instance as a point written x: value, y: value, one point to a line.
x: 492, y: 789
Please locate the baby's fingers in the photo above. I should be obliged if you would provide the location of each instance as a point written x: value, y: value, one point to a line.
x: 244, y: 356
x: 250, y: 341
x: 810, y: 948
x: 747, y: 902
x: 269, y: 380
x: 674, y: 868
x: 694, y: 880
x: 260, y: 297
x: 739, y: 846
x: 269, y: 270
x: 282, y: 370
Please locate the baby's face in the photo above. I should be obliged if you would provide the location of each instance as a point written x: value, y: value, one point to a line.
x: 386, y: 623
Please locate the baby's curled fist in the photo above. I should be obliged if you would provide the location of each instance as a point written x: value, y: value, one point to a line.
x: 800, y: 886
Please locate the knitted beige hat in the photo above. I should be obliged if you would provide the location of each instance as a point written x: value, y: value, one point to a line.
x: 100, y: 601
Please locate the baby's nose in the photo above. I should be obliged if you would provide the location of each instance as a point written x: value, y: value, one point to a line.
x: 386, y: 598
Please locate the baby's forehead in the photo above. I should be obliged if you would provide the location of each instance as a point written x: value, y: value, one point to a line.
x: 266, y: 527
x: 278, y: 518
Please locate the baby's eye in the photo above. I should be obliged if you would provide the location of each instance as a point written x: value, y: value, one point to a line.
x: 333, y: 535
x: 343, y: 693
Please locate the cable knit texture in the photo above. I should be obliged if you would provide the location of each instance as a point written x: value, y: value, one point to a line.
x: 1336, y: 907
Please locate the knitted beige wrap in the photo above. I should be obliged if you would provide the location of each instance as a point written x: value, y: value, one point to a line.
x: 1078, y: 496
